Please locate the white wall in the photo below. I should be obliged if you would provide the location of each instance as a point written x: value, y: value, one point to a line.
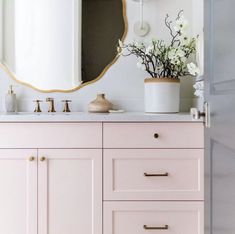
x: 123, y: 83
x: 1, y: 29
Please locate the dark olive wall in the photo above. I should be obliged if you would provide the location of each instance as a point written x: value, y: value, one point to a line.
x: 102, y: 25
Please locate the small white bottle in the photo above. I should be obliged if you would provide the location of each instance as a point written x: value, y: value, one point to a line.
x: 10, y: 101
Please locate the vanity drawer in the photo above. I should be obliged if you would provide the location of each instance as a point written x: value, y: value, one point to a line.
x: 154, y: 217
x: 51, y: 135
x: 153, y: 174
x: 153, y: 135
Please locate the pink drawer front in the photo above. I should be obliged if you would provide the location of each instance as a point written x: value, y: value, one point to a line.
x: 153, y: 135
x: 50, y: 135
x: 153, y: 174
x: 153, y: 217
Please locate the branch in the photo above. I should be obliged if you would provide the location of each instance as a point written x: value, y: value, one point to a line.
x: 168, y: 25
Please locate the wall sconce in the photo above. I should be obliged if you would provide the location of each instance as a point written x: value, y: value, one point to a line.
x: 141, y: 28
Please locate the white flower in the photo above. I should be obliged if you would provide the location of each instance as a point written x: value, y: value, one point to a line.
x: 181, y: 25
x: 120, y: 44
x: 149, y: 49
x: 176, y: 53
x: 154, y: 40
x: 171, y: 54
x: 199, y: 88
x: 119, y: 50
x: 140, y: 65
x: 120, y: 47
x: 199, y: 85
x: 180, y: 53
x: 139, y: 45
x: 183, y: 59
x: 175, y: 61
x: 184, y: 39
x: 193, y: 69
x: 199, y: 93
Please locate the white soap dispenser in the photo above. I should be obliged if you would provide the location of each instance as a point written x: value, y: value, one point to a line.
x: 10, y: 101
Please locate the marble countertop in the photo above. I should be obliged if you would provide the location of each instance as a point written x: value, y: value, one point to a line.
x: 92, y: 117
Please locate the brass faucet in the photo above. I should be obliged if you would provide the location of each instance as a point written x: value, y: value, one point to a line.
x: 37, y: 107
x: 51, y: 107
x: 66, y: 105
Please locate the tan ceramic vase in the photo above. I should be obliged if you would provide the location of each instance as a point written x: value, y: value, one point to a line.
x: 100, y: 105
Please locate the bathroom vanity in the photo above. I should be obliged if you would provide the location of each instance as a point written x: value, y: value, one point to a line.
x: 79, y: 173
x: 126, y: 173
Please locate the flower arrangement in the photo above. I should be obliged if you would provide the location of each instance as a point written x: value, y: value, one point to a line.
x: 199, y: 88
x: 160, y: 59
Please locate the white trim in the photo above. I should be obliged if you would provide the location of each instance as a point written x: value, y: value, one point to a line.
x: 1, y: 30
x: 198, y: 29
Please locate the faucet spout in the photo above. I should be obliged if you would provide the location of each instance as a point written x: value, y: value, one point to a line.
x: 51, y: 107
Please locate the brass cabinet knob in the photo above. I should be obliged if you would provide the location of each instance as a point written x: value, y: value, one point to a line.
x: 156, y: 135
x: 42, y: 159
x: 32, y: 158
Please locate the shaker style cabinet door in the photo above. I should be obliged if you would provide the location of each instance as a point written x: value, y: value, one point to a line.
x: 153, y: 217
x: 70, y: 191
x: 153, y: 174
x: 18, y: 197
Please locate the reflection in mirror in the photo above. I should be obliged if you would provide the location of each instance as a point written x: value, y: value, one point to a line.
x: 40, y: 42
x: 102, y: 26
x: 57, y: 45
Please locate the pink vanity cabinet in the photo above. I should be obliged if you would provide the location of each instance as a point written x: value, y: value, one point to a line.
x: 51, y: 178
x: 153, y: 178
x: 101, y: 177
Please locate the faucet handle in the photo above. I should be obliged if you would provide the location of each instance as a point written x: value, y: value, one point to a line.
x: 66, y: 105
x: 37, y: 107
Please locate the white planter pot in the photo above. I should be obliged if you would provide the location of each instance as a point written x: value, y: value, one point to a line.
x: 162, y: 95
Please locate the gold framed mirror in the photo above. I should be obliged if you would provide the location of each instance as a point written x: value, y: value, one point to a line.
x: 60, y: 46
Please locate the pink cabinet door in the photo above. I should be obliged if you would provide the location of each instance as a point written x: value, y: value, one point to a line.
x: 70, y: 191
x: 18, y: 196
x: 153, y: 217
x: 153, y: 135
x: 153, y: 174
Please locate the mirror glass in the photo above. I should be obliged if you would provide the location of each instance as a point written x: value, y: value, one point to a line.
x: 59, y: 45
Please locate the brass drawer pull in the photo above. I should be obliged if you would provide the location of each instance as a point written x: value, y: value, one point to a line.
x: 42, y: 159
x: 156, y: 175
x: 156, y: 136
x: 31, y: 159
x: 166, y: 227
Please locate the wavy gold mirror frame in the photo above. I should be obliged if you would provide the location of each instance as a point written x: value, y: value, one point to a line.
x: 13, y: 76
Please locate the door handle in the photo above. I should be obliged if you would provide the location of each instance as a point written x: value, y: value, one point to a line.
x: 207, y: 115
x: 196, y: 114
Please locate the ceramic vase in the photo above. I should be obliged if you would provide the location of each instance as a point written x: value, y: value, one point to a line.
x: 162, y: 95
x: 100, y: 104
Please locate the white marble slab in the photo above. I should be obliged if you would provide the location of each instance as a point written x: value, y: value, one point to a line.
x: 91, y: 117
